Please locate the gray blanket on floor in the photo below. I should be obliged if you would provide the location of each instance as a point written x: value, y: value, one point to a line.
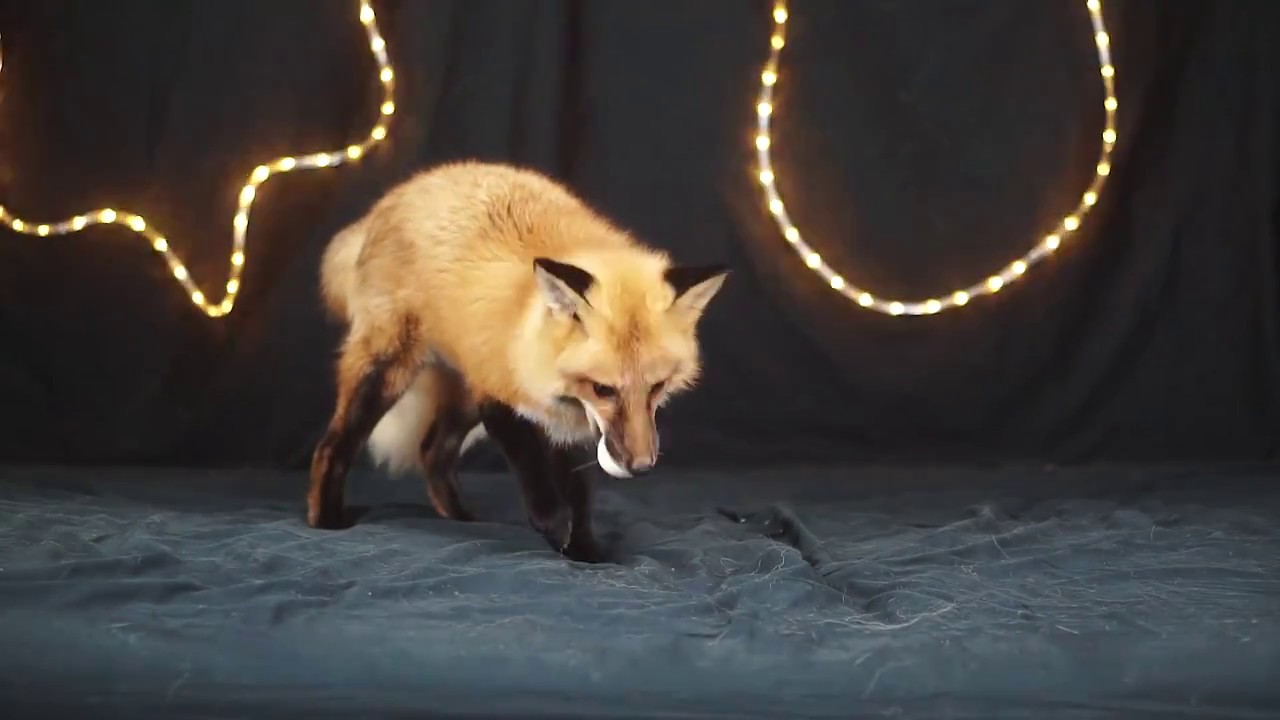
x: 774, y: 593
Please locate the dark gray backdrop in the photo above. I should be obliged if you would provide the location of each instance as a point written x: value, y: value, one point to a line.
x: 919, y: 145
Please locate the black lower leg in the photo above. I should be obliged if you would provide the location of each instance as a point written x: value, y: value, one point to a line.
x: 529, y: 455
x: 575, y: 488
x: 358, y: 411
x: 440, y: 451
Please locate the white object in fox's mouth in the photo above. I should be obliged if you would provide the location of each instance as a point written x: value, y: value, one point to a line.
x: 603, y: 456
x: 611, y: 466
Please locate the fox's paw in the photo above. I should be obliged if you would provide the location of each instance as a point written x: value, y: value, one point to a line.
x: 447, y: 504
x: 331, y: 517
x: 556, y: 526
x: 583, y: 549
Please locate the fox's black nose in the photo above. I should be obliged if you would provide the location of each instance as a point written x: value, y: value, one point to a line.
x: 641, y: 467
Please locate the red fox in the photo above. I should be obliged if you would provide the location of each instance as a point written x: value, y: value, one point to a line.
x: 485, y: 300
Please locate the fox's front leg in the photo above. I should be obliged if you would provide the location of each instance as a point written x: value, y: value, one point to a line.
x: 540, y: 468
x: 573, y: 479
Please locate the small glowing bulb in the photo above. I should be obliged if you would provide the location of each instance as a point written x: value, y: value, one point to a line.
x: 775, y: 206
x: 233, y: 286
x: 995, y: 282
x: 1108, y: 71
x: 180, y: 272
x: 813, y: 260
x: 237, y: 258
x: 287, y: 163
x: 762, y: 142
x: 160, y: 244
x: 1090, y: 198
x: 241, y: 221
x: 764, y: 108
x: 1018, y: 267
x: 366, y: 14
x: 107, y: 216
x: 837, y: 282
x: 865, y: 300
x: 354, y: 152
x: 388, y: 107
x: 1071, y: 222
x: 197, y: 297
x: 18, y: 225
x: 378, y: 44
x: 322, y: 160
x: 932, y: 306
x: 42, y: 230
x: 777, y: 42
x: 1104, y: 168
x: 1052, y: 242
x: 769, y: 77
x: 960, y: 298
x: 78, y: 222
x: 1102, y: 39
x: 792, y: 234
x: 1109, y: 136
x: 226, y: 306
x: 386, y: 75
x: 137, y: 223
x: 378, y: 133
x: 1111, y: 103
x: 247, y: 195
x: 1094, y: 5
x: 260, y: 174
x: 766, y: 177
x: 896, y: 308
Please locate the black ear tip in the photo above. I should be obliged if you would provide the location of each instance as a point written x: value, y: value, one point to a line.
x: 552, y: 267
x: 576, y: 278
x: 683, y: 277
x: 715, y: 270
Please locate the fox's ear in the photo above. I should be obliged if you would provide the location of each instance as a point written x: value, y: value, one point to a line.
x: 564, y: 286
x: 695, y: 285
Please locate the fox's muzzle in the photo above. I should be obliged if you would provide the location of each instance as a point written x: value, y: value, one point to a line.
x: 617, y: 456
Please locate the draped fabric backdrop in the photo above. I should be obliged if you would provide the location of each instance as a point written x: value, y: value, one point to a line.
x: 919, y: 146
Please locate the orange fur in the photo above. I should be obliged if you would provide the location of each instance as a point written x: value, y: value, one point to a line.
x: 441, y: 273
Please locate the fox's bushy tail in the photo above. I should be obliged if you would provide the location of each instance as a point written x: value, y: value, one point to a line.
x: 338, y: 269
x: 396, y: 441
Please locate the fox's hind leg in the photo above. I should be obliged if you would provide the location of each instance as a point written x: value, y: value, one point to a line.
x: 455, y: 415
x: 372, y: 376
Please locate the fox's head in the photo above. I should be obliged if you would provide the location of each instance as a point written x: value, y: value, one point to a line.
x: 624, y: 341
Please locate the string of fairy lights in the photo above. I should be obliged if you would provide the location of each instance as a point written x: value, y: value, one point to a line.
x: 864, y: 298
x: 1047, y: 245
x: 255, y: 180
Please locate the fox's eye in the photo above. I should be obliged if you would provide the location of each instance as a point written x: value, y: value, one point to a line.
x: 604, y: 391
